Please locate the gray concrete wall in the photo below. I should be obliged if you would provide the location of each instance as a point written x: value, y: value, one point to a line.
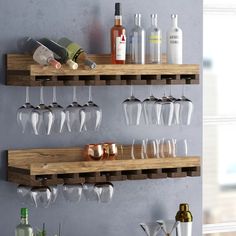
x: 89, y: 22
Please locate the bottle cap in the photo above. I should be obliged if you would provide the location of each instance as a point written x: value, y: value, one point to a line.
x: 90, y: 64
x: 24, y: 212
x: 73, y: 65
x: 117, y: 9
x: 55, y: 63
x: 184, y: 207
x: 173, y: 16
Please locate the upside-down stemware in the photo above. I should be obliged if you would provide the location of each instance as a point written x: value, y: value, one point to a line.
x: 42, y: 117
x: 58, y: 114
x: 90, y: 115
x: 74, y: 120
x: 24, y: 114
x: 152, y: 109
x: 132, y: 109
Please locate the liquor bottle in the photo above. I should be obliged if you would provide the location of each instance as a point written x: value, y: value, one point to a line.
x: 137, y: 42
x: 174, y: 42
x: 154, y: 42
x: 76, y: 53
x: 184, y: 216
x: 62, y: 54
x: 41, y: 54
x: 118, y: 38
x: 24, y: 229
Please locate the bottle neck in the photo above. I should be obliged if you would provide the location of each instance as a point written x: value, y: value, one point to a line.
x: 154, y: 22
x: 137, y: 21
x: 175, y: 22
x: 118, y: 20
x: 24, y: 220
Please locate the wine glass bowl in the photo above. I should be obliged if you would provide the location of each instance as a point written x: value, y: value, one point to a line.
x: 91, y: 114
x: 72, y: 192
x: 42, y: 117
x: 41, y: 196
x: 151, y: 228
x: 58, y: 115
x: 24, y: 114
x: 73, y: 115
x: 132, y: 110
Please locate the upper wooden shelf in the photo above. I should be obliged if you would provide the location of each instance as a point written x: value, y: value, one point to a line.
x: 23, y: 71
x: 54, y: 166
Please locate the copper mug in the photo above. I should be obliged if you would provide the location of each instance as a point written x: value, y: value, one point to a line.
x: 94, y: 152
x: 110, y: 151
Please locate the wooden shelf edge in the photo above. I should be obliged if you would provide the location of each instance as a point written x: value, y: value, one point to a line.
x: 111, y: 165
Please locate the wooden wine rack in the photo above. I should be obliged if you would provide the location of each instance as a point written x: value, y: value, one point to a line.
x: 38, y: 167
x: 23, y: 71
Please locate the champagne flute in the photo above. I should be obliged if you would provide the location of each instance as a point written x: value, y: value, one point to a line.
x: 90, y: 115
x: 132, y: 109
x: 73, y: 115
x: 58, y: 114
x: 41, y: 117
x: 24, y: 114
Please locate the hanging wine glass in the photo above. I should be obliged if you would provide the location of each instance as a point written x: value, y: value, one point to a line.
x: 175, y: 119
x: 42, y: 117
x: 151, y: 229
x: 152, y: 109
x: 167, y: 111
x: 185, y: 109
x: 58, y: 114
x: 90, y: 115
x: 73, y: 116
x: 24, y: 114
x: 132, y: 109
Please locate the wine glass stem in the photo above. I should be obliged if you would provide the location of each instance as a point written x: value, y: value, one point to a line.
x: 90, y: 93
x: 41, y: 95
x: 54, y: 91
x: 150, y: 91
x: 27, y: 95
x: 183, y: 90
x: 74, y: 94
x: 131, y: 90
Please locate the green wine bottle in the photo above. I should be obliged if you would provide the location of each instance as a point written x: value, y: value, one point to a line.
x: 24, y: 229
x: 76, y: 53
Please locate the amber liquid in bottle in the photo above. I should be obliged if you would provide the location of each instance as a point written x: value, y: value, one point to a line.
x: 118, y: 38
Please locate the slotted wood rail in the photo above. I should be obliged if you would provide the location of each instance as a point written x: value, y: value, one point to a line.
x: 38, y: 167
x: 23, y: 71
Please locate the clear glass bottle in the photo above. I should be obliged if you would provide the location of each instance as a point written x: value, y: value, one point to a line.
x: 154, y: 41
x: 24, y: 228
x: 118, y: 38
x: 137, y: 42
x: 174, y: 42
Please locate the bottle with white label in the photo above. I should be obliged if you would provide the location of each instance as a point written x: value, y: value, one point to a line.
x: 41, y: 54
x: 184, y: 216
x: 154, y: 42
x: 174, y: 42
x: 118, y: 38
x: 137, y: 42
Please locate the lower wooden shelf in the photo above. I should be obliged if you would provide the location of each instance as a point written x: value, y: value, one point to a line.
x: 37, y: 167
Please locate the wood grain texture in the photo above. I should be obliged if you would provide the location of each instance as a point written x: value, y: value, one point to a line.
x: 115, y: 165
x: 23, y: 71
